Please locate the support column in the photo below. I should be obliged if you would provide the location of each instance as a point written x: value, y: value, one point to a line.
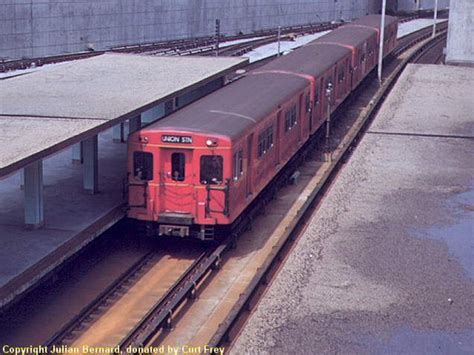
x: 91, y: 165
x: 135, y: 124
x: 77, y: 155
x: 22, y: 179
x: 118, y: 133
x: 34, y: 209
x: 170, y: 106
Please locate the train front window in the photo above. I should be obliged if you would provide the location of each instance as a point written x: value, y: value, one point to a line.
x: 178, y: 163
x: 211, y: 169
x: 143, y: 165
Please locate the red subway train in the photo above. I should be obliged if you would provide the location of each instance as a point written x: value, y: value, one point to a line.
x: 199, y: 168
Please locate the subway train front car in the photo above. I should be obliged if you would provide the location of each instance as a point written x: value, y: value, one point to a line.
x: 178, y: 183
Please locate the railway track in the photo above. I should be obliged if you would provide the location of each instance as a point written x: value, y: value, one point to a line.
x: 146, y: 280
x: 432, y: 54
x: 161, y: 315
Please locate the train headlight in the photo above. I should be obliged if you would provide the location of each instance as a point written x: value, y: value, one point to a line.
x: 143, y: 139
x: 211, y: 143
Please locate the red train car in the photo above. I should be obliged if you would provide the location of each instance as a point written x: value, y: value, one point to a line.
x: 323, y: 64
x: 198, y: 169
x: 201, y: 166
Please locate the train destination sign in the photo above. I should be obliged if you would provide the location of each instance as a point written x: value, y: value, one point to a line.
x: 177, y: 139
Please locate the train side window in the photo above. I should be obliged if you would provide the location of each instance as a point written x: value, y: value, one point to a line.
x: 340, y: 74
x: 241, y: 162
x: 143, y: 165
x: 308, y: 103
x: 290, y: 118
x: 316, y: 98
x: 211, y: 169
x: 265, y: 141
x: 269, y: 132
x: 262, y: 144
x: 238, y: 164
x: 328, y: 80
x: 235, y: 173
x: 178, y: 164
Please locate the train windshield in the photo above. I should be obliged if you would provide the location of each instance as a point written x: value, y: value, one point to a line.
x: 211, y: 169
x: 178, y: 165
x: 143, y: 165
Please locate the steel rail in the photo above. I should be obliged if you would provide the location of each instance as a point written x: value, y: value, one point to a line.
x: 185, y: 287
x: 406, y: 42
x: 102, y: 299
x: 425, y: 55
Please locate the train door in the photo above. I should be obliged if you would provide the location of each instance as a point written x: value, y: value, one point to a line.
x: 357, y: 66
x: 316, y: 105
x: 278, y: 137
x: 301, y: 114
x: 322, y: 101
x: 308, y: 111
x: 335, y: 83
x: 141, y: 175
x: 176, y: 185
x: 211, y: 175
x: 363, y: 59
x: 348, y: 83
x: 249, y: 188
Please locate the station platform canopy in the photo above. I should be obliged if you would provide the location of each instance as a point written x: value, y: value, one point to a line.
x: 50, y: 109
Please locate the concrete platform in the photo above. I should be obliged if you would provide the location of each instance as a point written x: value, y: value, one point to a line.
x: 386, y: 265
x: 72, y: 218
x: 71, y: 102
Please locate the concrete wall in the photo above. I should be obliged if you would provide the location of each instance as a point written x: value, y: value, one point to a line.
x: 415, y: 5
x: 38, y: 28
x: 460, y: 48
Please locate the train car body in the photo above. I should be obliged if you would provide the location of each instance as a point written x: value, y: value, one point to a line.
x: 322, y: 64
x: 204, y: 164
x: 198, y: 169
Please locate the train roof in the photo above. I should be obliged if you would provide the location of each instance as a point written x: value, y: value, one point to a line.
x: 356, y: 32
x: 309, y: 60
x: 373, y: 21
x: 349, y: 36
x: 235, y: 108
